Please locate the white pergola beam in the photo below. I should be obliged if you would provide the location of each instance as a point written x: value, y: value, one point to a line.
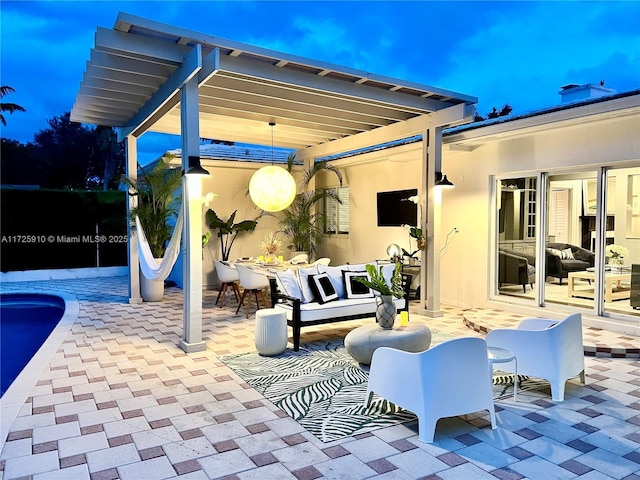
x: 112, y: 41
x: 166, y: 97
x: 330, y: 86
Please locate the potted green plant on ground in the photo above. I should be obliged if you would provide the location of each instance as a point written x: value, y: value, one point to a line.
x: 228, y: 231
x: 158, y: 204
x: 301, y: 221
x: 385, y: 308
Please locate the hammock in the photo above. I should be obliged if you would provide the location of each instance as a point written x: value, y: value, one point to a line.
x: 148, y: 265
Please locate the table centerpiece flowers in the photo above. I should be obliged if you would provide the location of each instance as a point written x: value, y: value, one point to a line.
x: 271, y: 246
x: 616, y: 254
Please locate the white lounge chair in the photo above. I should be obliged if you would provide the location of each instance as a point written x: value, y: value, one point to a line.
x: 447, y: 380
x: 545, y: 348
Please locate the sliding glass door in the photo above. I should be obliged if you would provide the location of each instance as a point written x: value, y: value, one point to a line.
x: 569, y: 243
x: 516, y: 234
x: 589, y: 226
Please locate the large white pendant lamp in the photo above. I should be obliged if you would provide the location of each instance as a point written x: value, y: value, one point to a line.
x: 272, y: 188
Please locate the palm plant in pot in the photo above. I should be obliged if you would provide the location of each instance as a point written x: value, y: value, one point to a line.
x: 158, y: 204
x: 385, y: 308
x: 301, y: 221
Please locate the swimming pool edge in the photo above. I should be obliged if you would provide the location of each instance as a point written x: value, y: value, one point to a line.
x: 17, y: 394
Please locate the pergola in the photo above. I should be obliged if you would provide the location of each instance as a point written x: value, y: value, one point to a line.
x: 147, y: 76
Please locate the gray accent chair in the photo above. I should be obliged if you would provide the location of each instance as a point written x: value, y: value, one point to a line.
x: 516, y: 268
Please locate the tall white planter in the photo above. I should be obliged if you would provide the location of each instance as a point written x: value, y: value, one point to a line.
x: 151, y: 290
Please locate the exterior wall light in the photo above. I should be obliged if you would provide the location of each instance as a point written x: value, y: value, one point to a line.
x: 195, y: 168
x: 443, y: 182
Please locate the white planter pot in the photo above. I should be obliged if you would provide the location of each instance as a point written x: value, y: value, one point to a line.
x: 151, y: 290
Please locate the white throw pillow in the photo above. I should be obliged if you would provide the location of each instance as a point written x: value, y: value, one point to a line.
x: 288, y: 283
x: 566, y: 254
x: 335, y: 275
x: 387, y: 272
x: 303, y: 279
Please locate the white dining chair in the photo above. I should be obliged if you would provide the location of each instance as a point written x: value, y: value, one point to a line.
x: 254, y: 283
x: 300, y: 258
x: 322, y: 261
x: 229, y: 278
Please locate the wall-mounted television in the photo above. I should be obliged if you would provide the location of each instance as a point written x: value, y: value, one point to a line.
x: 395, y: 210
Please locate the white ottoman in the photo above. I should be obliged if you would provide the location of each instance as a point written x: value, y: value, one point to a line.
x: 271, y: 331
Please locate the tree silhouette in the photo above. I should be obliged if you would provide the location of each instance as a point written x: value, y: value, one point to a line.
x: 495, y: 113
x: 8, y: 107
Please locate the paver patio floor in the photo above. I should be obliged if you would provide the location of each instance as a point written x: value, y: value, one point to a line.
x: 120, y: 400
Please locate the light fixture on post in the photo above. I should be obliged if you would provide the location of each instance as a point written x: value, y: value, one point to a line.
x: 443, y: 182
x: 194, y: 167
x: 272, y: 188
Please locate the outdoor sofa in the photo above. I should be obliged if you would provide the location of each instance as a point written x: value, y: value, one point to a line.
x: 301, y: 296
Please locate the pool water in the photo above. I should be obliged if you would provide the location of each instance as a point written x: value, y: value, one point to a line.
x: 26, y: 320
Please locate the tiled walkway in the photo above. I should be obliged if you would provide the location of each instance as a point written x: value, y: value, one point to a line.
x: 120, y: 400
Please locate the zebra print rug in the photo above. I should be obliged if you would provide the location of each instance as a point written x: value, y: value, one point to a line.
x: 323, y: 388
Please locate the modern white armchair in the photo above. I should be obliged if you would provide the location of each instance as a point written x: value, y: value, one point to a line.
x: 447, y: 380
x: 545, y: 348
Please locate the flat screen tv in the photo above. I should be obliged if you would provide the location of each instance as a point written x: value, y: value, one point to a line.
x: 394, y: 208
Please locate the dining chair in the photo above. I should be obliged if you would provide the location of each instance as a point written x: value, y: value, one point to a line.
x: 229, y: 278
x: 322, y: 261
x: 253, y: 283
x: 300, y: 258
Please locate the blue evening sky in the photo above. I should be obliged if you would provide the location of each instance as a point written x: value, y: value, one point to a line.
x: 519, y: 53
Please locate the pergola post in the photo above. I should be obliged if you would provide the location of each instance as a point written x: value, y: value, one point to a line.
x: 131, y: 152
x: 192, y: 229
x: 430, y: 271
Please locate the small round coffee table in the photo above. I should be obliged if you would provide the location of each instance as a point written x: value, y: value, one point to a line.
x: 502, y: 355
x: 361, y: 342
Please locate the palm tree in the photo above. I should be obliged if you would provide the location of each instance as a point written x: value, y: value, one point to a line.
x: 300, y: 221
x: 8, y: 107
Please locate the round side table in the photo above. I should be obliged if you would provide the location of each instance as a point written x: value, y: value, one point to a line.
x: 502, y: 355
x: 271, y: 331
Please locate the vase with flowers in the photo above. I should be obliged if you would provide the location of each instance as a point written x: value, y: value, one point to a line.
x: 271, y: 246
x: 616, y: 255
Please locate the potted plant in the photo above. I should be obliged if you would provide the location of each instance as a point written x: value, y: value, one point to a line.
x: 301, y: 221
x: 228, y: 231
x: 158, y: 203
x: 385, y: 309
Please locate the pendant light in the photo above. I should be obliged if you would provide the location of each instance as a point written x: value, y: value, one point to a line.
x: 272, y: 188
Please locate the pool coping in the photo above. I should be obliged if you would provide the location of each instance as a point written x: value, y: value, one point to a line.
x: 17, y: 394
